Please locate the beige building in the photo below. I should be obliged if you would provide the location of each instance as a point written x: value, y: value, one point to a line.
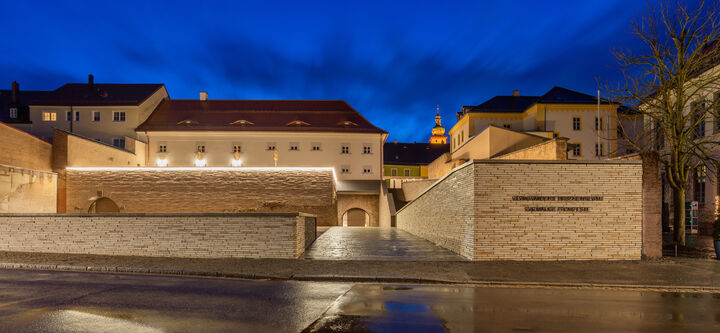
x: 561, y: 112
x: 275, y: 133
x: 105, y: 112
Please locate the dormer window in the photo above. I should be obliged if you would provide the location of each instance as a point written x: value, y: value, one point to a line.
x: 188, y: 122
x: 242, y: 122
x: 297, y: 123
x: 13, y: 113
x: 347, y: 123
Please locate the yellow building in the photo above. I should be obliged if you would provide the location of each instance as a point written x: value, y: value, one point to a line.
x: 591, y: 130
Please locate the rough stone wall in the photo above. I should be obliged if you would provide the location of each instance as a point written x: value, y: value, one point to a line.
x: 27, y: 191
x: 22, y: 150
x: 444, y: 214
x: 367, y: 202
x: 508, y: 222
x: 170, y: 235
x: 206, y: 190
x: 555, y: 149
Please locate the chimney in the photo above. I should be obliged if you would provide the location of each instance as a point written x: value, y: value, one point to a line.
x: 91, y: 81
x: 203, y: 95
x: 516, y: 93
x: 395, y: 141
x: 14, y: 95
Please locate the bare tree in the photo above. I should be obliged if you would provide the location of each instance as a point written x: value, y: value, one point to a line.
x: 673, y: 82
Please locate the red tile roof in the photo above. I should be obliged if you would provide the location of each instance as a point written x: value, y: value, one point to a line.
x: 100, y: 94
x: 257, y: 115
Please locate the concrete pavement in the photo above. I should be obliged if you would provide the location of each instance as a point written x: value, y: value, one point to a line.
x: 49, y: 301
x: 666, y: 274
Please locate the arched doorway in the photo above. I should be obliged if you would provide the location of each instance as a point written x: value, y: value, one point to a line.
x: 356, y: 217
x: 104, y: 205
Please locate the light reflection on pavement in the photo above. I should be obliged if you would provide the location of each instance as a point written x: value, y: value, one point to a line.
x: 46, y: 301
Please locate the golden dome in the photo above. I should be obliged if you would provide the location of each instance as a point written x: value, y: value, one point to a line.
x: 438, y: 132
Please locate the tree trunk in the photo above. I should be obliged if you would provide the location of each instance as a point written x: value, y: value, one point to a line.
x: 679, y: 215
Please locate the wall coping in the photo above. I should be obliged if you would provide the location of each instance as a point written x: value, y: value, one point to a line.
x: 256, y: 214
x: 490, y: 161
x: 26, y: 170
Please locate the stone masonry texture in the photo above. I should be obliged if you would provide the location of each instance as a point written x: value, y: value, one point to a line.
x: 208, y: 190
x: 271, y: 235
x: 502, y: 216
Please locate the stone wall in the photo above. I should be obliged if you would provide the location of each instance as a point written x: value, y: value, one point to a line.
x: 195, y: 190
x: 555, y: 149
x: 27, y: 191
x: 22, y: 150
x: 534, y: 210
x: 269, y: 235
x: 444, y: 214
x: 367, y: 202
x: 442, y: 165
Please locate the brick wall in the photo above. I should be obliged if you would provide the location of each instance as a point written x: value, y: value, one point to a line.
x: 368, y: 202
x: 269, y: 235
x: 508, y: 222
x: 206, y: 190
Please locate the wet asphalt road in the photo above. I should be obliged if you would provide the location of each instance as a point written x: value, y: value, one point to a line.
x: 45, y: 301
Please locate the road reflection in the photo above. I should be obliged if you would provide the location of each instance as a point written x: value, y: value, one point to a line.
x: 416, y: 308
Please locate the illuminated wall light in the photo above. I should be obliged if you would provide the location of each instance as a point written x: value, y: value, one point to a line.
x: 161, y: 162
x: 236, y: 163
x: 200, y: 162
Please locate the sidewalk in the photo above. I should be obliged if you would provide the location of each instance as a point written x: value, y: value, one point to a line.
x: 668, y: 273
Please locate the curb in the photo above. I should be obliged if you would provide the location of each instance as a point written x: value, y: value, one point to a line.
x: 365, y: 279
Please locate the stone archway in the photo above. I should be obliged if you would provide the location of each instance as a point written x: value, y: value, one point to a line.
x: 104, y: 205
x: 355, y: 217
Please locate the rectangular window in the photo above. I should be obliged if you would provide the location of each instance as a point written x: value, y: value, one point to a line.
x: 118, y: 115
x: 393, y: 172
x: 367, y: 149
x: 367, y: 170
x: 237, y: 148
x: 49, y: 116
x: 577, y: 124
x: 118, y: 142
x: 407, y: 172
x: 599, y: 151
x: 316, y: 146
x: 598, y: 123
x: 201, y: 148
x: 698, y: 120
x: 577, y: 150
x: 294, y: 146
x: 506, y: 125
x: 162, y: 149
x: 77, y: 115
x: 13, y: 113
x: 270, y: 146
x: 700, y: 180
x: 68, y: 116
x: 345, y: 169
x: 96, y: 115
x: 345, y: 149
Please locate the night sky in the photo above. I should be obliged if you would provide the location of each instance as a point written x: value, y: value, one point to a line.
x: 392, y: 61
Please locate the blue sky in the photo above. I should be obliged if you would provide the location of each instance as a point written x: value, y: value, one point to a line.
x: 391, y: 60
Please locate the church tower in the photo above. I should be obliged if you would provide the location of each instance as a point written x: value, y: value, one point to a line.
x: 438, y: 132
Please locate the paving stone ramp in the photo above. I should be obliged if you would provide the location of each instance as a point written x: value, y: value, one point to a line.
x: 358, y: 243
